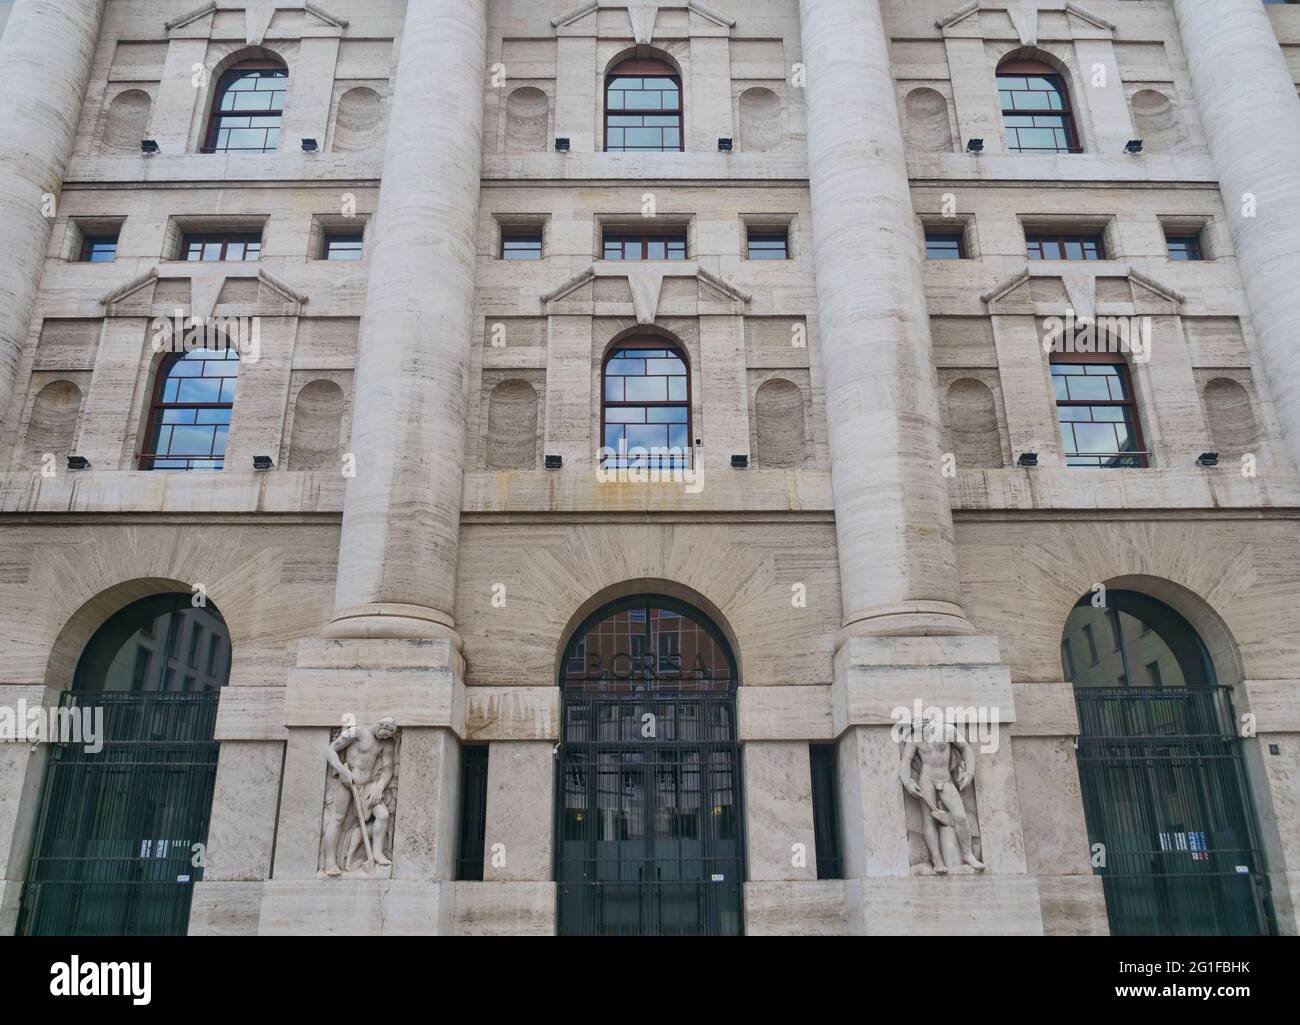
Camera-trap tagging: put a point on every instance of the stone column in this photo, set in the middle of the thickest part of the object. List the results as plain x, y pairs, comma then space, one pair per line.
1248, 104
898, 566
45, 59
401, 516
906, 640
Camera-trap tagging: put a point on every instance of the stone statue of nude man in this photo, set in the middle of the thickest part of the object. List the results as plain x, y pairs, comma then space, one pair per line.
358, 785
933, 742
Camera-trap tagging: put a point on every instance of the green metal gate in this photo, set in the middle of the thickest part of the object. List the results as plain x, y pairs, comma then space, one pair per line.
1165, 794
115, 844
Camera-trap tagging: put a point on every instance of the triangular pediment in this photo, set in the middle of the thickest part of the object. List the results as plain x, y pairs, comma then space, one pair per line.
258, 15
642, 15
203, 289
1023, 15
644, 296
1044, 291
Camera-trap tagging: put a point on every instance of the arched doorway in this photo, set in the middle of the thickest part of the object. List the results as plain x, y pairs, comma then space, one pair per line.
1170, 819
125, 804
649, 808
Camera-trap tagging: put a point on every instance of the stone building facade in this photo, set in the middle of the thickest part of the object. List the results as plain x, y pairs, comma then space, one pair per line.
430, 524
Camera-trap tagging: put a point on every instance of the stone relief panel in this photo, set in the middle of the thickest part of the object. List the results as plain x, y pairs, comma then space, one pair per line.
937, 771
360, 801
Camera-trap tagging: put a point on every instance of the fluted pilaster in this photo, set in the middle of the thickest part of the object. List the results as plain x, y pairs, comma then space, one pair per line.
397, 560
897, 559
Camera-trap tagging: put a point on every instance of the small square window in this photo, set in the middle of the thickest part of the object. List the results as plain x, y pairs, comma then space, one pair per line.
1184, 247
99, 249
521, 247
343, 246
944, 246
769, 245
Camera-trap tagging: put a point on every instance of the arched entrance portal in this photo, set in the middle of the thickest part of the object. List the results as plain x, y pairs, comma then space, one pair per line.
649, 811
125, 805
1160, 763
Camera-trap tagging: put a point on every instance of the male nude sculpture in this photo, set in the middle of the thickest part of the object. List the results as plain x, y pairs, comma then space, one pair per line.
934, 741
358, 785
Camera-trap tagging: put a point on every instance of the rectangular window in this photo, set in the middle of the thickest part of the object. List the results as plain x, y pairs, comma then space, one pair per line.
645, 247
1065, 247
217, 246
826, 825
1184, 247
769, 246
343, 246
473, 811
944, 246
99, 249
521, 247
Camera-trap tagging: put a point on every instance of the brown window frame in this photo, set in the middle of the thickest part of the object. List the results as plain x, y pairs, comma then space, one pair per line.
639, 344
158, 407
226, 239
216, 114
626, 238
1037, 238
1037, 69
1140, 454
88, 244
647, 68
937, 235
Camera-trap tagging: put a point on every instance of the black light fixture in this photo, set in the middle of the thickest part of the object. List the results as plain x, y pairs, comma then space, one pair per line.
148, 147
78, 463
975, 146
1027, 459
561, 145
1208, 459
1134, 146
262, 463
740, 462
725, 145
554, 462
310, 145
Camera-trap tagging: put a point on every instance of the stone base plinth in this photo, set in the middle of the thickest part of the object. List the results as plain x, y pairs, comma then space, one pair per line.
357, 907
505, 909
944, 906
1073, 906
795, 908
226, 908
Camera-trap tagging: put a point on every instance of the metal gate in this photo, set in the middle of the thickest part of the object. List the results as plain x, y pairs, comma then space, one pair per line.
115, 841
1165, 794
650, 827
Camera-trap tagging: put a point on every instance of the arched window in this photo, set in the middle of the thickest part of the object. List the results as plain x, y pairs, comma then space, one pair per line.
129, 778
1036, 109
646, 407
1133, 641
247, 108
643, 108
189, 418
1161, 772
1096, 410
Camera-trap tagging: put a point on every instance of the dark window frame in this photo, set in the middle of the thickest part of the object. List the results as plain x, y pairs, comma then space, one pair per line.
1062, 240
946, 236
520, 237
1037, 69
1139, 458
652, 69
825, 803
642, 241
349, 238
763, 235
227, 239
646, 344
1192, 243
216, 115
88, 244
149, 456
